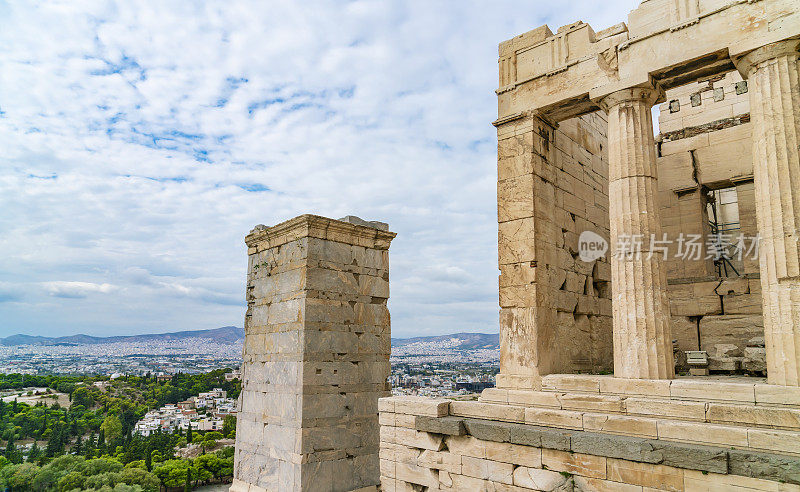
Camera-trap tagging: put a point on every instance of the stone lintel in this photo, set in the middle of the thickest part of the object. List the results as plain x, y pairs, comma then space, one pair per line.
263, 237
556, 73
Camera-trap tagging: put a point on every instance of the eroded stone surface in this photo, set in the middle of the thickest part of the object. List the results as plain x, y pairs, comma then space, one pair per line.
316, 356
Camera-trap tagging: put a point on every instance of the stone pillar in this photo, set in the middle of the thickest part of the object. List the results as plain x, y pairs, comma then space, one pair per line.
529, 345
642, 343
316, 356
774, 86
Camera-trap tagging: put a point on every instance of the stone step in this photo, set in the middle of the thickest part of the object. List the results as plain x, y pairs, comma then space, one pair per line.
719, 412
730, 390
698, 432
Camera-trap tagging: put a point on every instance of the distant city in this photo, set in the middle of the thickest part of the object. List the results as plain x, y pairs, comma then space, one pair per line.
446, 365
190, 356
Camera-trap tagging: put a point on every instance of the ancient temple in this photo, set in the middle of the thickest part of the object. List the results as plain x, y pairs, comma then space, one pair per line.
587, 396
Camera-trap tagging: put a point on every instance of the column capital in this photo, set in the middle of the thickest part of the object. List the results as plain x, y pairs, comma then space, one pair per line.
750, 61
623, 91
647, 95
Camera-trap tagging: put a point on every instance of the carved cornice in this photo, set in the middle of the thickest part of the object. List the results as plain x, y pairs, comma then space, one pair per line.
263, 237
524, 115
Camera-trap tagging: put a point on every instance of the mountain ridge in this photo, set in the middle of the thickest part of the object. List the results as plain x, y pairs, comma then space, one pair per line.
468, 341
231, 334
225, 334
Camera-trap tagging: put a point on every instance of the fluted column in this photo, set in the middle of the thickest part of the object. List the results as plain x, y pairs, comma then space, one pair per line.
774, 86
642, 343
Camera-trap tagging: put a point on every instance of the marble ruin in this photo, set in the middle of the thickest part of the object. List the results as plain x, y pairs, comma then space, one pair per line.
587, 397
576, 155
316, 356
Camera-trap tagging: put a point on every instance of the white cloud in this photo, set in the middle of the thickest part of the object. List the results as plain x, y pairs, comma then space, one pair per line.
77, 290
142, 140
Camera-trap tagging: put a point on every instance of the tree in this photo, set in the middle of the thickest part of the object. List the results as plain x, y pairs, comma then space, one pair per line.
111, 428
100, 465
109, 479
70, 481
187, 487
82, 396
77, 448
148, 458
23, 477
215, 435
172, 473
35, 453
189, 436
229, 425
55, 445
88, 449
11, 451
136, 476
101, 442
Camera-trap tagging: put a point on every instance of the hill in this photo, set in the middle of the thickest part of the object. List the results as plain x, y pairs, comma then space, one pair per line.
457, 341
226, 334
233, 334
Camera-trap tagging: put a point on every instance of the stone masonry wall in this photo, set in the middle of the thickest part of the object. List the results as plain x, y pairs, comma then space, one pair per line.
705, 145
424, 447
555, 310
316, 356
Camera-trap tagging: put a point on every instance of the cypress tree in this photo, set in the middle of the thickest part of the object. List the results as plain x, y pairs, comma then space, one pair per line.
11, 451
187, 486
34, 453
77, 448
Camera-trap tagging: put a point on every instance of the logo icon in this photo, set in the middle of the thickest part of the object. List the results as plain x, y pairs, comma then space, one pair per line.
591, 246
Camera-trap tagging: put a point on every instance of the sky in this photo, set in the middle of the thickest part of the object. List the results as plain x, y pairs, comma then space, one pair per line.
141, 141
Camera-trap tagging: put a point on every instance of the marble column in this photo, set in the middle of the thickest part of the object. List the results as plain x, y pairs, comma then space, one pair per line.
774, 85
642, 343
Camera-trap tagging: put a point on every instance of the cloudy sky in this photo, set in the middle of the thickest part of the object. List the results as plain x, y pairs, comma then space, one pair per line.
140, 141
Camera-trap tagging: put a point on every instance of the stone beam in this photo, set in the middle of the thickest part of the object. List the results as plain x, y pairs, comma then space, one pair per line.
669, 42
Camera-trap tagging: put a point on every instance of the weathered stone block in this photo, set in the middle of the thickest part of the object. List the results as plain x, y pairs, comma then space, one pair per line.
513, 453
493, 471
487, 430
618, 424
451, 426
702, 433
554, 418
764, 465
537, 479
645, 474
540, 437
576, 463
415, 405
